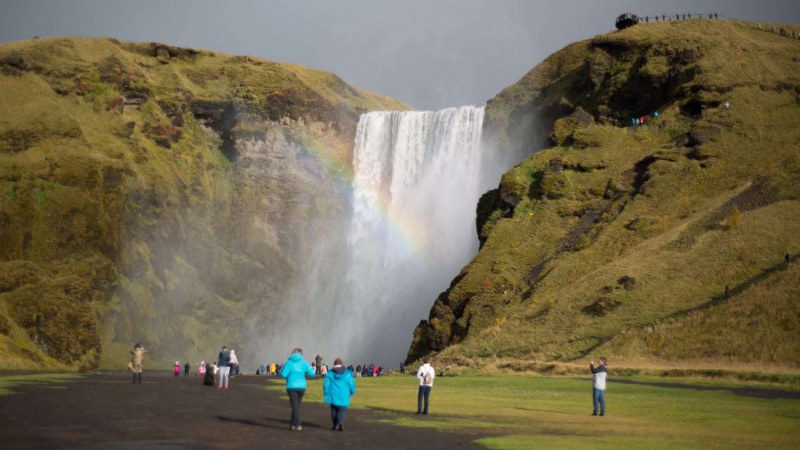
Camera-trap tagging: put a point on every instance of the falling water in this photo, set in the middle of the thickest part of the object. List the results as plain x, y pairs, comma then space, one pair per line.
417, 180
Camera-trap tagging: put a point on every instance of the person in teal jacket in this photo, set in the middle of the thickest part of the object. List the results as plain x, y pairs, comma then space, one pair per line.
337, 388
295, 370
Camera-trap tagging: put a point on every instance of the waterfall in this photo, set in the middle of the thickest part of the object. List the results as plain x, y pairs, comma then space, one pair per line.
418, 178
410, 229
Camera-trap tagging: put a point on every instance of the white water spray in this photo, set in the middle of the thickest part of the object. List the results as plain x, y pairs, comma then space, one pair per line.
418, 178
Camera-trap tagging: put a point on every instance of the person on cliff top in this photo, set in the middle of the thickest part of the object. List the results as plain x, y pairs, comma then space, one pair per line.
337, 389
135, 365
295, 370
599, 375
425, 374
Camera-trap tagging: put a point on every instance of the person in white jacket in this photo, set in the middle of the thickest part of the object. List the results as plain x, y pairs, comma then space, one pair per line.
425, 374
234, 363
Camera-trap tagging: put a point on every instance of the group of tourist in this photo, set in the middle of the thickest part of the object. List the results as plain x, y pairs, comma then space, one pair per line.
339, 383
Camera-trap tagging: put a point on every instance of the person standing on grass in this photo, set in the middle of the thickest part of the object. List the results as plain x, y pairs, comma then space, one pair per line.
135, 365
295, 370
599, 385
223, 365
425, 374
337, 389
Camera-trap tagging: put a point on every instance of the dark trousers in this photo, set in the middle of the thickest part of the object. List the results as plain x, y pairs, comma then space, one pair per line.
137, 378
424, 393
599, 398
338, 414
295, 397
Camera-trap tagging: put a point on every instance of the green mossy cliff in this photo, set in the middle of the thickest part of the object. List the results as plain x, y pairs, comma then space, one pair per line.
158, 194
657, 245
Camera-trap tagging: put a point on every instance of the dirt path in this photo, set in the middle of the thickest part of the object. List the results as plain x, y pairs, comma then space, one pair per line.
107, 411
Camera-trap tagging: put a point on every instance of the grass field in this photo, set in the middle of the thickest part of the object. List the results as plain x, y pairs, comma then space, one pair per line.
537, 412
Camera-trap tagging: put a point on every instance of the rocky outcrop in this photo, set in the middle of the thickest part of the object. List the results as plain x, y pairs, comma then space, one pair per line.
158, 194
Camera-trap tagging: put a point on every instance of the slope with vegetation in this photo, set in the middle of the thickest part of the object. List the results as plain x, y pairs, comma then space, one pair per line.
661, 245
156, 193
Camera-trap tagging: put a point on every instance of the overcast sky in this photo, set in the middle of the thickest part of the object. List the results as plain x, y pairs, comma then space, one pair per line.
430, 54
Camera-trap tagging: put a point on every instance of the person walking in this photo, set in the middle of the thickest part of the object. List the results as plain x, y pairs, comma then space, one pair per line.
186, 368
223, 365
295, 370
425, 374
337, 389
135, 365
599, 375
177, 368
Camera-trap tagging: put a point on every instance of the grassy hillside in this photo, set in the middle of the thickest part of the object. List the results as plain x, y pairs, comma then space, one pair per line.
134, 200
660, 245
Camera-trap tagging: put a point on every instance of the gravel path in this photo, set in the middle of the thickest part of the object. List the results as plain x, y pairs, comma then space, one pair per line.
107, 411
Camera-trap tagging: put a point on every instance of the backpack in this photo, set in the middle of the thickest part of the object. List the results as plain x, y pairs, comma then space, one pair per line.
427, 379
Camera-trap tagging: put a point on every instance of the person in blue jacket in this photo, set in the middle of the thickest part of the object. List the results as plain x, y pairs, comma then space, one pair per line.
295, 370
337, 389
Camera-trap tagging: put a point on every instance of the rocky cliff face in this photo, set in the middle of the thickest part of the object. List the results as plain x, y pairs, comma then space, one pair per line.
158, 194
645, 242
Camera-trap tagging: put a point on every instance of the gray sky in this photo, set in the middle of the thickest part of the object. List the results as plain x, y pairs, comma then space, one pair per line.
430, 54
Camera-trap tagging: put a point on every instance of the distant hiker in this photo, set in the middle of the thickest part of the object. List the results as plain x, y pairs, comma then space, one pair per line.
262, 370
425, 374
786, 259
234, 363
186, 368
295, 370
135, 365
663, 17
655, 114
273, 369
177, 368
716, 16
727, 105
599, 385
402, 367
201, 369
208, 374
318, 363
633, 120
223, 366
337, 389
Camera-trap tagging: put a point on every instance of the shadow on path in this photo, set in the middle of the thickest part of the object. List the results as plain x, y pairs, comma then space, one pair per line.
105, 411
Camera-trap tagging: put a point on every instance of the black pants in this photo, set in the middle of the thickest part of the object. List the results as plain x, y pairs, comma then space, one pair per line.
295, 397
424, 393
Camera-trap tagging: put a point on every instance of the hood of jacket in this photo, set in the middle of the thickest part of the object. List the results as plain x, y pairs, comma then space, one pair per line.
296, 357
338, 371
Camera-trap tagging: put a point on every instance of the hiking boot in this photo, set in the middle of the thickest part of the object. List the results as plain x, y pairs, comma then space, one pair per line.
594, 413
602, 414
340, 427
